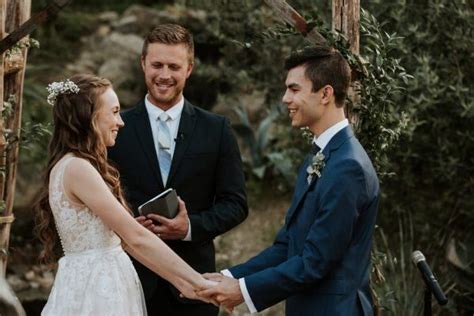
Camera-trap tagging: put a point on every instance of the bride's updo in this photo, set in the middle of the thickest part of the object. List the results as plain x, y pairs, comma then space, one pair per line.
75, 104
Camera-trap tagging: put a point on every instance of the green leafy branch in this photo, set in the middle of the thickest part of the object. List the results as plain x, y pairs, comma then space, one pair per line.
21, 44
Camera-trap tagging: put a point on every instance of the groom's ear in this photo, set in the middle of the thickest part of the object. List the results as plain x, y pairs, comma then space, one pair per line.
327, 94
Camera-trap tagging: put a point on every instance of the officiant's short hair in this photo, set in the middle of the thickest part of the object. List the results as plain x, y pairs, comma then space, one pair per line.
324, 66
170, 34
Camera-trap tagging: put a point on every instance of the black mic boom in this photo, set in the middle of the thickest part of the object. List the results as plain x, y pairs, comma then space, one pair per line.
420, 261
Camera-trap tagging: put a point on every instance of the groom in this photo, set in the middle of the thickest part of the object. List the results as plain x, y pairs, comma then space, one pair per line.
320, 260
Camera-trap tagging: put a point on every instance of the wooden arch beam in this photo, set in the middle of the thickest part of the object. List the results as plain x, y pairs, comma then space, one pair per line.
29, 26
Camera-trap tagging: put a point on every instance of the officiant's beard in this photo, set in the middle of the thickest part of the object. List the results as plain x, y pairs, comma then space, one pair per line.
168, 99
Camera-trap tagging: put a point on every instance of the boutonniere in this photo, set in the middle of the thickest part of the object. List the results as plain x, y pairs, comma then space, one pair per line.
316, 166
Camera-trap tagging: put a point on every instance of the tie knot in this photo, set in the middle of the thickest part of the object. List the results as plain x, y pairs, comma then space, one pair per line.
164, 117
315, 148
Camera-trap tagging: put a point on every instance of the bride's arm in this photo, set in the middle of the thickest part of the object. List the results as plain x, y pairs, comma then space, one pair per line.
83, 182
187, 288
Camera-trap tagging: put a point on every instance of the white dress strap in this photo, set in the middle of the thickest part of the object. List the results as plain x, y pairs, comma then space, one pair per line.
58, 178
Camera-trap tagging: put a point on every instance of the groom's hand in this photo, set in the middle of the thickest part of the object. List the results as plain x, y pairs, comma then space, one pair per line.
213, 276
176, 228
227, 292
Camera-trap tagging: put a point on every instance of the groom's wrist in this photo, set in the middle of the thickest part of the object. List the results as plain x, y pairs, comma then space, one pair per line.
245, 293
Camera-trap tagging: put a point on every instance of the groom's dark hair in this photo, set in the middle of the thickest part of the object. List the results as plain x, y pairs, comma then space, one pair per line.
170, 34
324, 66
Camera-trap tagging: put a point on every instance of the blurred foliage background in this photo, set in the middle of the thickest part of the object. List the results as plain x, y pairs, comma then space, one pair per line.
415, 117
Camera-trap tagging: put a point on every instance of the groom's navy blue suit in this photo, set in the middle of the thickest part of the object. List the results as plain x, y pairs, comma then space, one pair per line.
320, 260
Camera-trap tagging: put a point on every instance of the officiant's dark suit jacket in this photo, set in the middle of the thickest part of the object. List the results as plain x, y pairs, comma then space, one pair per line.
206, 171
320, 260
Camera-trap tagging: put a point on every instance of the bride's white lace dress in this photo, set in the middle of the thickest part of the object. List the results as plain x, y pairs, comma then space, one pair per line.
95, 276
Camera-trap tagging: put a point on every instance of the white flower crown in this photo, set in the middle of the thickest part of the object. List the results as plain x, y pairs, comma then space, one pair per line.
60, 87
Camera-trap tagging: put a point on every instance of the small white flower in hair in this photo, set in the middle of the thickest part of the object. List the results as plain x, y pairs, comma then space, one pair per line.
60, 87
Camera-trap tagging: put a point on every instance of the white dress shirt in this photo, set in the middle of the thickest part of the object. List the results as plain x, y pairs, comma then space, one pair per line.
321, 141
328, 134
173, 124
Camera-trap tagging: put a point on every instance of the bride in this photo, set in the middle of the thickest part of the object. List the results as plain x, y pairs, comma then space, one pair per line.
82, 202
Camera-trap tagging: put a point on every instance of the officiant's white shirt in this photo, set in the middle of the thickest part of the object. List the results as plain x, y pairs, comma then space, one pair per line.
321, 141
174, 113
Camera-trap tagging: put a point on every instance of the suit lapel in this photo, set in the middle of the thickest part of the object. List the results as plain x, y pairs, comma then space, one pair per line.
332, 146
145, 138
340, 138
301, 187
183, 139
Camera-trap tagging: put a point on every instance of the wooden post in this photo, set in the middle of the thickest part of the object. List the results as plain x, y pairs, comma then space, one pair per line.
19, 12
346, 18
347, 21
3, 8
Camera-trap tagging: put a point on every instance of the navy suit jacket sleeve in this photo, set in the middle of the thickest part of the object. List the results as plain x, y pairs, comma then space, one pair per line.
342, 195
230, 206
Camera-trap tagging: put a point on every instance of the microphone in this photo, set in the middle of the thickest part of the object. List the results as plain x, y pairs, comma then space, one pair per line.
179, 137
431, 283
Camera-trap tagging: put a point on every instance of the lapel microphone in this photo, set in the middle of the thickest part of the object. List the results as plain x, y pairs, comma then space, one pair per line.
179, 137
431, 283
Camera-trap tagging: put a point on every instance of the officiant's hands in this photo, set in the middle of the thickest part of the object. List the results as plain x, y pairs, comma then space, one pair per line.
227, 292
165, 228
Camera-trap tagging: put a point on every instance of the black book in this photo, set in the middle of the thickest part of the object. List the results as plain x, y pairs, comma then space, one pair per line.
164, 204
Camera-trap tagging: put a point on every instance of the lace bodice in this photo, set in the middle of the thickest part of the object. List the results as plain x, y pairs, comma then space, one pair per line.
78, 227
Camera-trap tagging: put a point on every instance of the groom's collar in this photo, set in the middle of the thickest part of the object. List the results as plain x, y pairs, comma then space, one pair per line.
328, 134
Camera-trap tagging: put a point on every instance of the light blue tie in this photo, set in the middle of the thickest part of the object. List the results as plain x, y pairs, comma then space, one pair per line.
164, 146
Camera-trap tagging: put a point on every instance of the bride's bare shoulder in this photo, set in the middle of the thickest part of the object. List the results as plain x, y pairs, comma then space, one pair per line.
80, 169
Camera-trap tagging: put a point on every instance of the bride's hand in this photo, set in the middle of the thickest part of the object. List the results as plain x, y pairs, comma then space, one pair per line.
188, 291
206, 284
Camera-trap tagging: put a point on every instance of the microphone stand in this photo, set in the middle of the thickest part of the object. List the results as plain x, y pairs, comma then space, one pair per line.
427, 308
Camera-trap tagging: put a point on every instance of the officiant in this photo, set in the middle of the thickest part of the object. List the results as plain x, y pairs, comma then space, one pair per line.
167, 142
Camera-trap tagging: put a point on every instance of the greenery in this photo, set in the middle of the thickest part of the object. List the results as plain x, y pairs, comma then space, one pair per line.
18, 46
433, 159
256, 141
461, 257
380, 117
413, 114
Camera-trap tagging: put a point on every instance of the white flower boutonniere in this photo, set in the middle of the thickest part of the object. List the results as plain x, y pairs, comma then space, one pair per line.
316, 166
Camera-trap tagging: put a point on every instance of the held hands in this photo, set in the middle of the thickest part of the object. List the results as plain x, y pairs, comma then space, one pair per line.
165, 228
189, 291
226, 293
